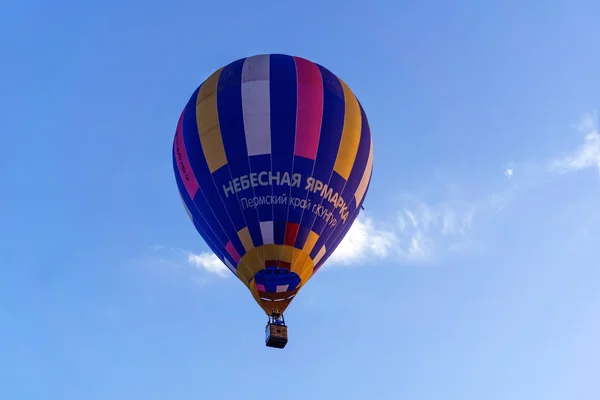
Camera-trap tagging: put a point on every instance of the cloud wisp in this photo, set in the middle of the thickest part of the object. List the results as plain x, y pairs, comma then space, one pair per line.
587, 155
527, 175
419, 233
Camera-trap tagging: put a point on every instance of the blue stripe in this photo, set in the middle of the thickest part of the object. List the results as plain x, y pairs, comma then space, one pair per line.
206, 232
334, 109
210, 197
283, 93
190, 141
231, 122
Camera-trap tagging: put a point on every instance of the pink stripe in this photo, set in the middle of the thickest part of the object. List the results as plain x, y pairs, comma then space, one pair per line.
260, 287
232, 251
310, 108
183, 163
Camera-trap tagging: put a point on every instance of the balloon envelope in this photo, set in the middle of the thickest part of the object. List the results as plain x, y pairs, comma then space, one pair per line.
273, 158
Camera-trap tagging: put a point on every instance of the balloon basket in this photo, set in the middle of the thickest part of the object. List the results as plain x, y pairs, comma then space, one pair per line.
276, 333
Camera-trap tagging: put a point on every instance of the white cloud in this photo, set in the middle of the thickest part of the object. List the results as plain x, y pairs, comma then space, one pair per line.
587, 154
209, 262
363, 240
419, 233
508, 172
179, 259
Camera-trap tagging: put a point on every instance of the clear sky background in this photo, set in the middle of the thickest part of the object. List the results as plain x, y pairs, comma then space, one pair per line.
483, 213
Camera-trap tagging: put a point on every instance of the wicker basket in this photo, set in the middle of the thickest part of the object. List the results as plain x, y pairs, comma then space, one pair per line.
276, 336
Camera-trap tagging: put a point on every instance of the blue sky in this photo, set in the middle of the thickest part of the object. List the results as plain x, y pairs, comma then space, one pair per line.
483, 214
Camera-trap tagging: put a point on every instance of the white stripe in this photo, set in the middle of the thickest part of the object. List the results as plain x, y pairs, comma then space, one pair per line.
256, 104
362, 186
186, 208
228, 264
282, 288
266, 229
320, 255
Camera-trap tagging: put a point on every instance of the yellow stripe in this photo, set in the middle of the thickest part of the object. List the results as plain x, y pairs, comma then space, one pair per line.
303, 267
254, 292
299, 261
286, 253
311, 240
350, 135
253, 261
245, 272
307, 273
270, 251
362, 187
307, 266
246, 239
207, 118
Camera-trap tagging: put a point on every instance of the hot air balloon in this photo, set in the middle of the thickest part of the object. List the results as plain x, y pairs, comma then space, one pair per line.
273, 158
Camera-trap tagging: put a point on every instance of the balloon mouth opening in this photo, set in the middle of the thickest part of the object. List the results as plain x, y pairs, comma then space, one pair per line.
276, 285
275, 279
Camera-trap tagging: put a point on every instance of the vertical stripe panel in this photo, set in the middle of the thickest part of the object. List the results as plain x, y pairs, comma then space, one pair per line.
283, 126
212, 235
266, 229
350, 136
231, 121
246, 239
209, 198
361, 161
233, 252
329, 236
260, 165
345, 157
310, 241
310, 108
187, 210
331, 134
207, 119
256, 104
228, 265
291, 231
362, 187
183, 162
309, 115
308, 132
320, 255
